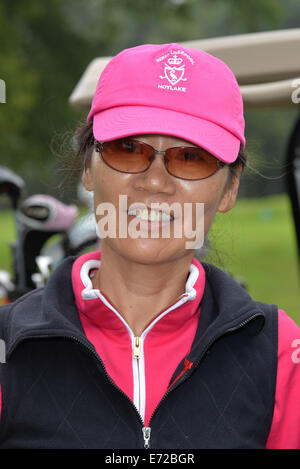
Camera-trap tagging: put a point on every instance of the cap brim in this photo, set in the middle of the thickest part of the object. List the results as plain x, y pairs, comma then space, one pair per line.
125, 121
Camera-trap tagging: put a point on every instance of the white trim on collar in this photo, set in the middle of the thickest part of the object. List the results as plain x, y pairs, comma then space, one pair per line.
89, 293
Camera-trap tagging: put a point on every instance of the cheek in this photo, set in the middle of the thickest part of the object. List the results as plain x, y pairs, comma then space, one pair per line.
208, 192
106, 182
212, 202
108, 186
101, 188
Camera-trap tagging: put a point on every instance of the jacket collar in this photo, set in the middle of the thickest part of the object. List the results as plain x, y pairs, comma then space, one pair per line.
51, 311
98, 309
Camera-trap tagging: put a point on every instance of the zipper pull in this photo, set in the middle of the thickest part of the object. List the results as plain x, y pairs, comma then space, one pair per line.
146, 435
137, 348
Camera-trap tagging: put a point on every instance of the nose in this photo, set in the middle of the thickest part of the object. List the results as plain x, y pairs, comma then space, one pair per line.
156, 178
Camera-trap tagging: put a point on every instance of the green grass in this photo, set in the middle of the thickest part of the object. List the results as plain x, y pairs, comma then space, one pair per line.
256, 241
7, 234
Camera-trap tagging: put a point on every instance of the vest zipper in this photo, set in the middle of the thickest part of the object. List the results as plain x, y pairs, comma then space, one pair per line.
137, 349
87, 348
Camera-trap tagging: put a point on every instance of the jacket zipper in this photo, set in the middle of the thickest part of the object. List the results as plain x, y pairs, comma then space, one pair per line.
137, 377
146, 435
138, 366
146, 431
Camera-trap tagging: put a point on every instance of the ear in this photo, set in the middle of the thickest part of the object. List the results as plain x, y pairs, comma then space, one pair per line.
87, 178
230, 193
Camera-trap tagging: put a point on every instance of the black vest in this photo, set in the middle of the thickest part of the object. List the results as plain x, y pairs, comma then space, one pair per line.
57, 394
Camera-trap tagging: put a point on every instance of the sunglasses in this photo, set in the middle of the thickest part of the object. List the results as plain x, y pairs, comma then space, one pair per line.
128, 155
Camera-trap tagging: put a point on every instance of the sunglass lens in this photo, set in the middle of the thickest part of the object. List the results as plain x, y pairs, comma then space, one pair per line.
191, 163
127, 155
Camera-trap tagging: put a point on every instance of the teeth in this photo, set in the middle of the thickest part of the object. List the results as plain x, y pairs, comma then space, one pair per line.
165, 216
149, 215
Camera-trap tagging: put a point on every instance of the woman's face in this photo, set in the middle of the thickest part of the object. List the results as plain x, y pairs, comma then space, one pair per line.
156, 185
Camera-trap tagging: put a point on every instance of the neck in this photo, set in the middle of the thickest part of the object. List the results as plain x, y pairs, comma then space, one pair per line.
140, 291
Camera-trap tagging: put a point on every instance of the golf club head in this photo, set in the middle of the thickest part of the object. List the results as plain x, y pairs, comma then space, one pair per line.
6, 284
38, 219
11, 185
44, 264
81, 235
37, 280
46, 213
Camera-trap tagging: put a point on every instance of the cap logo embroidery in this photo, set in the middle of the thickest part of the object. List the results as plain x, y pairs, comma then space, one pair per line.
173, 73
174, 70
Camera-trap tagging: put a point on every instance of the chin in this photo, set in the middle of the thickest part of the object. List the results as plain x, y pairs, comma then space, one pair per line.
150, 251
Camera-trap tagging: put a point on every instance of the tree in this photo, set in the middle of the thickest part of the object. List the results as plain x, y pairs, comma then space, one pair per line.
45, 47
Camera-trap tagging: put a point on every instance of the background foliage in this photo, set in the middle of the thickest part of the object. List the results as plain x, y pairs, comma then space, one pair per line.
46, 46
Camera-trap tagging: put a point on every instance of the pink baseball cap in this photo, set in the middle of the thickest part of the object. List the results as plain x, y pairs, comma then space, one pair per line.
173, 90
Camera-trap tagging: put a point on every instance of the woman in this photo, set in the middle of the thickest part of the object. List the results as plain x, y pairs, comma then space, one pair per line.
141, 345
